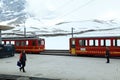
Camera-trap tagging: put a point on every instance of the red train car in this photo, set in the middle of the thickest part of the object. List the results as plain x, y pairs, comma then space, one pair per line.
95, 46
29, 44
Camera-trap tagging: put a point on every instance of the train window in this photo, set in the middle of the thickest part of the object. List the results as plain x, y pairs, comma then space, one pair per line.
26, 43
42, 42
17, 43
104, 42
23, 43
118, 42
73, 42
96, 42
39, 42
114, 44
3, 42
82, 42
13, 42
7, 42
101, 42
108, 43
86, 43
91, 43
33, 43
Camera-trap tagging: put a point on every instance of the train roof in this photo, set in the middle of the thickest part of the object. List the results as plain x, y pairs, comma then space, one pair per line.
98, 37
20, 38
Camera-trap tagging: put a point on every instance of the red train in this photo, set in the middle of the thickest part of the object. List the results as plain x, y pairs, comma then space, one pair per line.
29, 44
95, 46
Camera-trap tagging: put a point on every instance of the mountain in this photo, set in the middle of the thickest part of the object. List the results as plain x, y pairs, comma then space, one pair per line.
12, 9
65, 28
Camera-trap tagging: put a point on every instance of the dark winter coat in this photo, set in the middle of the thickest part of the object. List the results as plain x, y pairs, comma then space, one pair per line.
107, 53
23, 57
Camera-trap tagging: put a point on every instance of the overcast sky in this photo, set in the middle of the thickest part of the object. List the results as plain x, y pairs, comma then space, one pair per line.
62, 10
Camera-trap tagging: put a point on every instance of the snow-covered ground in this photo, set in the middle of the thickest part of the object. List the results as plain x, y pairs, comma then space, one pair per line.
63, 67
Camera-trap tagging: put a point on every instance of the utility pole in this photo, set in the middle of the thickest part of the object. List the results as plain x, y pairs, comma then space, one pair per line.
72, 31
24, 30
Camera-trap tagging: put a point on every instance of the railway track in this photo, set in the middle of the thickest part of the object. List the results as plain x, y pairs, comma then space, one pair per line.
56, 52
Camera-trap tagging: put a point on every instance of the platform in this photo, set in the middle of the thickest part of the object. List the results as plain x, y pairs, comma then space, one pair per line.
63, 67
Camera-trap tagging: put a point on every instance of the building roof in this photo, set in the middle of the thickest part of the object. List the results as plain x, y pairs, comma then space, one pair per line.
5, 27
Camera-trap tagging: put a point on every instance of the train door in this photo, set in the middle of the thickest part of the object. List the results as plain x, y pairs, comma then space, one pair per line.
72, 46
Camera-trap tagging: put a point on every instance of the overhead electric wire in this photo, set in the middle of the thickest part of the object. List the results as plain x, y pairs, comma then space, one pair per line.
64, 4
76, 9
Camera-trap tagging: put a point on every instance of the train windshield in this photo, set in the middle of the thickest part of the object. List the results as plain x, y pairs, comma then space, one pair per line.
41, 42
73, 42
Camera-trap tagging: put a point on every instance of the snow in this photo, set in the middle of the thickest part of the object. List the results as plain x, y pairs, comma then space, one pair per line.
63, 67
61, 42
36, 27
46, 19
55, 17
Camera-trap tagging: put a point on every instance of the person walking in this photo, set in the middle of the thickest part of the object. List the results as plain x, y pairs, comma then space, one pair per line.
107, 55
22, 59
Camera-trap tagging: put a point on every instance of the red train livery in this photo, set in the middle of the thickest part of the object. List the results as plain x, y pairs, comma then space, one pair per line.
95, 46
29, 44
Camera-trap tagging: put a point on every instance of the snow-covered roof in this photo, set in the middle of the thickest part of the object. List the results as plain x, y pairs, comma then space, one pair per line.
5, 27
